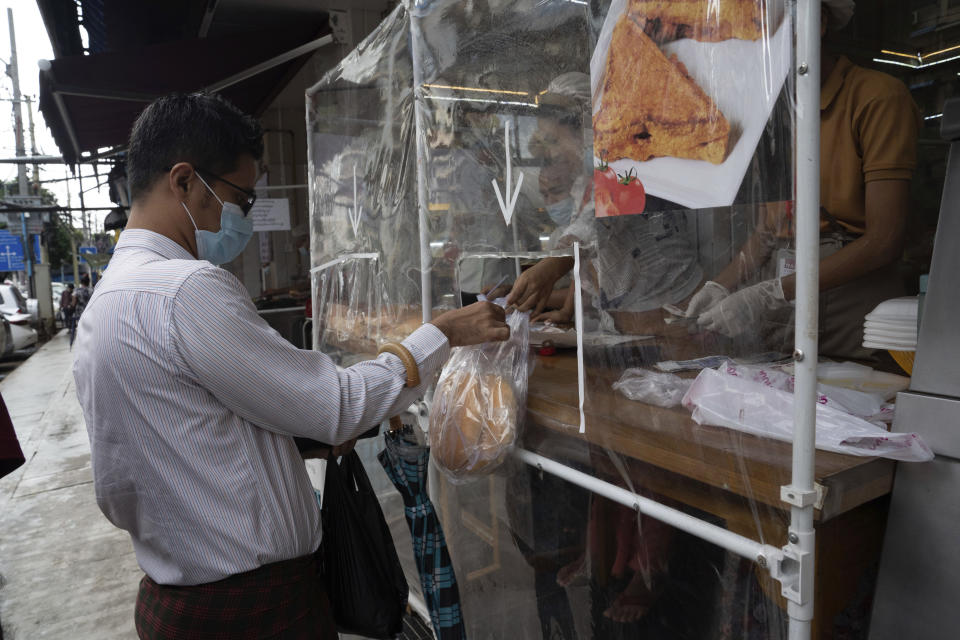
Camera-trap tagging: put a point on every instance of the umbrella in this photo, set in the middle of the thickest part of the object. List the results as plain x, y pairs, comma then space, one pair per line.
405, 462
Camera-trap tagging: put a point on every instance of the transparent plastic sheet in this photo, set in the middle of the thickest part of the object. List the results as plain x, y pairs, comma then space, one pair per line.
657, 226
363, 221
363, 224
479, 404
515, 84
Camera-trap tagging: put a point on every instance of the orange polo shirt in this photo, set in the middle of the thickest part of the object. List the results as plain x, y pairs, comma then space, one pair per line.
868, 131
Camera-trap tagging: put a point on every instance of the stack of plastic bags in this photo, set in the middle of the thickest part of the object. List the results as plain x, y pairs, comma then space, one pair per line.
892, 325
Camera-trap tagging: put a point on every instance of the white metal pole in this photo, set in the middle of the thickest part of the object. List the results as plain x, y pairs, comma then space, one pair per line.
800, 494
740, 545
420, 128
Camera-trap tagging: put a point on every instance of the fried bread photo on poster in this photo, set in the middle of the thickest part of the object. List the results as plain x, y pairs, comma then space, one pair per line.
682, 91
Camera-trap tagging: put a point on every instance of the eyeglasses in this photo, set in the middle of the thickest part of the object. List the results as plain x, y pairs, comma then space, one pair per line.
250, 196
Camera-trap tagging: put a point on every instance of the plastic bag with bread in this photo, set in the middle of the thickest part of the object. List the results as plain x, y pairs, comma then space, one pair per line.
479, 404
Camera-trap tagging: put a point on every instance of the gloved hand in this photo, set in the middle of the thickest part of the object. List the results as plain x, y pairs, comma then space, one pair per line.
742, 311
710, 294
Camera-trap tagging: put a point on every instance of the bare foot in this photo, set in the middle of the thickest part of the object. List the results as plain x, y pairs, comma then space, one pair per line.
636, 600
575, 572
625, 610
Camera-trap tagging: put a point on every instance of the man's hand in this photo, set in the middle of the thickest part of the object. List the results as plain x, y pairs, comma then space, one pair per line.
342, 449
532, 289
493, 294
325, 452
478, 323
564, 314
558, 316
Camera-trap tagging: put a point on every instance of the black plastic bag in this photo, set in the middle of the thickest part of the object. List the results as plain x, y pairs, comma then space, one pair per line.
365, 582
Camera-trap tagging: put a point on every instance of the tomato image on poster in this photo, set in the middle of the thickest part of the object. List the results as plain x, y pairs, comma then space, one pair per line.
617, 194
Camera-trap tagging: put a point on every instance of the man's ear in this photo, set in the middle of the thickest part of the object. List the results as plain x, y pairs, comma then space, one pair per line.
178, 179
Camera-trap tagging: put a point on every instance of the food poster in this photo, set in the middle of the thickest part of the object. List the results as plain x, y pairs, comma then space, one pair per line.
688, 111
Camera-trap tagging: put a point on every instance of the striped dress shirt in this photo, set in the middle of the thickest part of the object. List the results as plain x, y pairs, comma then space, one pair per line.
191, 403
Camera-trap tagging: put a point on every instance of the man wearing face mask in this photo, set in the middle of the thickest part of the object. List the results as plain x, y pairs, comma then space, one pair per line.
639, 262
192, 401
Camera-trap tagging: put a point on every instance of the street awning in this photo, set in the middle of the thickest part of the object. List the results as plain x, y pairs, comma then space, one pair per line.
90, 102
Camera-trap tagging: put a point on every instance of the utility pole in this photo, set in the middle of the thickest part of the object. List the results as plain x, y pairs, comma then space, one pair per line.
13, 72
83, 207
33, 146
24, 189
73, 241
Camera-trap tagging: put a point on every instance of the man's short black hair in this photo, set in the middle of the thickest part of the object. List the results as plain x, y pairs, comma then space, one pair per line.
70, 286
85, 280
205, 130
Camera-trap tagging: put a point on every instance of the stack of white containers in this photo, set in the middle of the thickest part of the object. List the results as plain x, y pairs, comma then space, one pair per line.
892, 325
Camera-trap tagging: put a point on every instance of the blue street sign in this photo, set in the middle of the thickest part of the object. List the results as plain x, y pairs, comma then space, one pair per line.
11, 252
36, 250
83, 250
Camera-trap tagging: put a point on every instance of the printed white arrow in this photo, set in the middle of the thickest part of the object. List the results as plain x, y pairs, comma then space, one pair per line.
506, 207
357, 208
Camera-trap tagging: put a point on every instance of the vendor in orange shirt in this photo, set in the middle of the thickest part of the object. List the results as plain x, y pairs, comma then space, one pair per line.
868, 132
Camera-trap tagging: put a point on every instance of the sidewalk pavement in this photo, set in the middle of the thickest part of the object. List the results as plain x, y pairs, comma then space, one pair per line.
65, 571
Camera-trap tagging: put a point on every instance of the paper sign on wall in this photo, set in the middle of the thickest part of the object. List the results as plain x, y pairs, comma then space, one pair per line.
271, 214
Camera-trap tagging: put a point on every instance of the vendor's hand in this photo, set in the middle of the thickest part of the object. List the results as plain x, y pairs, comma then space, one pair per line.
709, 295
559, 316
532, 289
342, 449
743, 310
475, 324
493, 294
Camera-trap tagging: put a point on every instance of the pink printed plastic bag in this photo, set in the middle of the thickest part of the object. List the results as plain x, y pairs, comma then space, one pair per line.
722, 399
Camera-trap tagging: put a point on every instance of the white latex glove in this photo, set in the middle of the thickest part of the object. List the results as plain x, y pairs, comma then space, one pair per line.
743, 310
710, 294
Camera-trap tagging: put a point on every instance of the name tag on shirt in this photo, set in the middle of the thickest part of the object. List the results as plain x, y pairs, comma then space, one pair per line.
786, 262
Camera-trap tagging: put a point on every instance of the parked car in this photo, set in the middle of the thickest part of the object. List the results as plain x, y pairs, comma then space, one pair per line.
22, 333
6, 337
33, 308
11, 300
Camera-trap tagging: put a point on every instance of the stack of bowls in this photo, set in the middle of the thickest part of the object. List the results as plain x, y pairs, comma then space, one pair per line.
892, 325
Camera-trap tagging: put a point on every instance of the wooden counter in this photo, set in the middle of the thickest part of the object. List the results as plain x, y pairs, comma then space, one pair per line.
715, 470
669, 439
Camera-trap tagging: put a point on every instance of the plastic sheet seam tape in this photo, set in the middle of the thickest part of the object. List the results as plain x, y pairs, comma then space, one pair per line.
578, 317
344, 258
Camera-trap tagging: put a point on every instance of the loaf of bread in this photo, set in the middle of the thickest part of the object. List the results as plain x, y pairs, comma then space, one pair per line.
398, 330
341, 322
473, 423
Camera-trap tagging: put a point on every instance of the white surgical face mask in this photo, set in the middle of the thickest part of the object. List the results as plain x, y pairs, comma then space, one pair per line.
561, 212
235, 232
